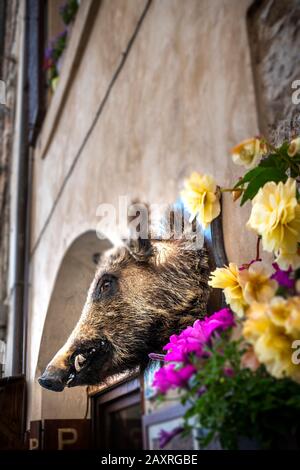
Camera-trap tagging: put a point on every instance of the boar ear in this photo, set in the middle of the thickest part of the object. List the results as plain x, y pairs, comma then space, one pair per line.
140, 248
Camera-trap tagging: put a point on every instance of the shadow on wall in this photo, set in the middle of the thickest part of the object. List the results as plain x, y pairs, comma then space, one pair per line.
68, 297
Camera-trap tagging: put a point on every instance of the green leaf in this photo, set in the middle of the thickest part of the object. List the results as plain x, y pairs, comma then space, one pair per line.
294, 171
274, 161
283, 149
268, 174
249, 176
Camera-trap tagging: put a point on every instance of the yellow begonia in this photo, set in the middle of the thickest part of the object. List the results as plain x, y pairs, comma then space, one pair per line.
256, 284
294, 147
249, 152
201, 198
271, 329
285, 260
275, 216
227, 278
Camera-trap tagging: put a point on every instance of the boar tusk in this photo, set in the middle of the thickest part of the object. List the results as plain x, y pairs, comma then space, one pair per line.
79, 361
71, 378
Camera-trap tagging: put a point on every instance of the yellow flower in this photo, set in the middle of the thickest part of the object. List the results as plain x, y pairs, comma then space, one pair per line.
275, 216
201, 198
249, 152
271, 329
256, 284
285, 260
292, 323
279, 311
228, 279
294, 147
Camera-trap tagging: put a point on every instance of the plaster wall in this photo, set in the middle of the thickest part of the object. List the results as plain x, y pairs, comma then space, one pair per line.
179, 101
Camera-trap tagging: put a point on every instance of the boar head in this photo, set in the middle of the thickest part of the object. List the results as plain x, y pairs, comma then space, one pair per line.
142, 293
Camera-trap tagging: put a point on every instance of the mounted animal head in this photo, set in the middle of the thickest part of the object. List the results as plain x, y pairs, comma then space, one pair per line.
142, 293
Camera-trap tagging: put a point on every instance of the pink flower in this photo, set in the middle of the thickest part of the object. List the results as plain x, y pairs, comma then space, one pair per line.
193, 338
180, 347
228, 371
168, 377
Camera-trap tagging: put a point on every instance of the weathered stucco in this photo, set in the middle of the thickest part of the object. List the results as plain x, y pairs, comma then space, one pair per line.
182, 98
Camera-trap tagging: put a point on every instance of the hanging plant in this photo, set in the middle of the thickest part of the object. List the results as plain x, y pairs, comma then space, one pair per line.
57, 45
247, 388
52, 58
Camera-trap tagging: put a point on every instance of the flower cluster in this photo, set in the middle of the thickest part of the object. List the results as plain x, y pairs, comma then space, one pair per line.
53, 54
272, 328
270, 307
275, 216
182, 348
201, 361
242, 286
270, 184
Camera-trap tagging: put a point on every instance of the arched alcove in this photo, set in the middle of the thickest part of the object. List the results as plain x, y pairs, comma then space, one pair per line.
69, 293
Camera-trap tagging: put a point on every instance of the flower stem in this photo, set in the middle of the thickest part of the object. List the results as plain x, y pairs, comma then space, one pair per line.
258, 249
156, 357
230, 190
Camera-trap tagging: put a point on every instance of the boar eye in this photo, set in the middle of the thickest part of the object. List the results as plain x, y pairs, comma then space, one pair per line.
104, 287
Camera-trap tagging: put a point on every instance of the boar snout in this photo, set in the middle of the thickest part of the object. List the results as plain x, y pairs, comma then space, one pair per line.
71, 366
54, 379
57, 373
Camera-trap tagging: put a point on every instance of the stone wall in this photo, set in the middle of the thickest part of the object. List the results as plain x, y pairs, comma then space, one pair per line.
162, 88
274, 32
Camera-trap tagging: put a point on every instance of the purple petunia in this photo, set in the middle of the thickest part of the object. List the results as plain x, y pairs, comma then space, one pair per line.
201, 391
193, 338
165, 437
283, 277
228, 371
168, 377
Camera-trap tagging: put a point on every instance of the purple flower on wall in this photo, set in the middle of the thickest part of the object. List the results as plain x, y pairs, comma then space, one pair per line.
54, 52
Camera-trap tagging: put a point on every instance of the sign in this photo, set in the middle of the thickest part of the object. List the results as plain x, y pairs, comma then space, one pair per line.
35, 435
60, 434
